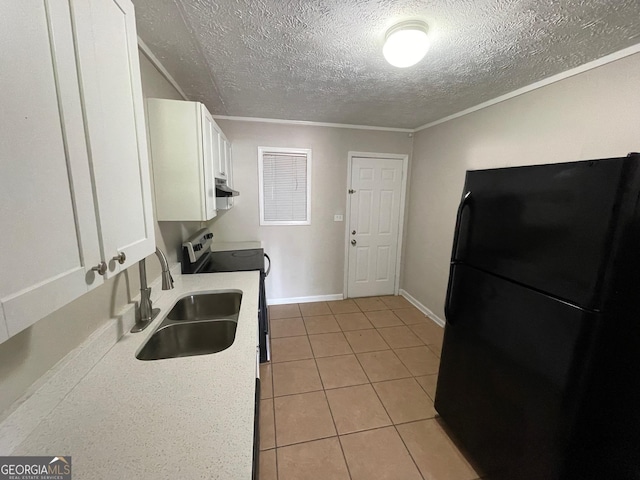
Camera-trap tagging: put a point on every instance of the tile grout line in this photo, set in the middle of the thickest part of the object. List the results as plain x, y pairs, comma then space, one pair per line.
415, 377
370, 382
422, 342
409, 452
275, 436
393, 423
424, 389
344, 457
376, 392
350, 433
387, 412
325, 390
434, 352
273, 399
325, 396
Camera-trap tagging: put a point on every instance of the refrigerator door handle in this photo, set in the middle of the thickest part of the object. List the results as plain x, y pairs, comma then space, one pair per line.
447, 301
456, 236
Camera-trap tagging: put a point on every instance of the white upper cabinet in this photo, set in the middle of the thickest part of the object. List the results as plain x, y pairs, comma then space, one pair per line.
226, 203
221, 170
49, 238
58, 202
114, 114
185, 153
210, 158
229, 164
224, 160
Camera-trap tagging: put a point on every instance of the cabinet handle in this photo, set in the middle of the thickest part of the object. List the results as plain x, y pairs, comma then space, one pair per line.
120, 258
101, 268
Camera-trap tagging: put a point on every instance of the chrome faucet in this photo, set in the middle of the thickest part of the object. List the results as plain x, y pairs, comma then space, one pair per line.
146, 313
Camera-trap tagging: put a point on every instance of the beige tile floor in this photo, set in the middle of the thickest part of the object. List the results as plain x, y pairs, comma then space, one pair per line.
349, 395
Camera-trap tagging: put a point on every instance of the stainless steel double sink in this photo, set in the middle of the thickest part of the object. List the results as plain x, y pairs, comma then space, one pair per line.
198, 324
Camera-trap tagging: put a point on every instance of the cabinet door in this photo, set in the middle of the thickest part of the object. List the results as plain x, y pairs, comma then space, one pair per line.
229, 170
210, 157
227, 161
49, 238
114, 115
222, 155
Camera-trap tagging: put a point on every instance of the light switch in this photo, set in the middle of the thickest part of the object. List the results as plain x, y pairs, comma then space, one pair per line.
337, 218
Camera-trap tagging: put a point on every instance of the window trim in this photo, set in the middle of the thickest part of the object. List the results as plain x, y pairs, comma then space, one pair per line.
285, 151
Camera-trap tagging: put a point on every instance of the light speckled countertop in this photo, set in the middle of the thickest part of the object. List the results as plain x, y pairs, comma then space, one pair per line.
180, 418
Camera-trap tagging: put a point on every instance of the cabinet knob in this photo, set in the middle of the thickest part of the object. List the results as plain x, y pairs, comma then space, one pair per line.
101, 268
120, 258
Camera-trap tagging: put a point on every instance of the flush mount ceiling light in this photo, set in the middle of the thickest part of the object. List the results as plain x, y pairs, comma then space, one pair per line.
406, 43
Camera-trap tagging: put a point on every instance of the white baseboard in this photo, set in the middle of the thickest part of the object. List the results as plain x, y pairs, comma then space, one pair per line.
422, 308
316, 298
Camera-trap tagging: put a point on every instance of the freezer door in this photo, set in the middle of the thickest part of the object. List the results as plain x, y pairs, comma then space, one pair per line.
554, 228
512, 370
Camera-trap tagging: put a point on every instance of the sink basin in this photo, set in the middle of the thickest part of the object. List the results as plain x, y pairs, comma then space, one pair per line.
197, 324
207, 306
189, 339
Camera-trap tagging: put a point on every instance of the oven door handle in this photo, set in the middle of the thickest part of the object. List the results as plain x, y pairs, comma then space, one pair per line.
266, 274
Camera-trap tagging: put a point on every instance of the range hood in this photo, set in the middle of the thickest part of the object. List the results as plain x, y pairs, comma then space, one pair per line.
223, 190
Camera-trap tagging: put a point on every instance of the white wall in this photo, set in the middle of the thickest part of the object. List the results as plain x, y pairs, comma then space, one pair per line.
592, 115
27, 356
307, 260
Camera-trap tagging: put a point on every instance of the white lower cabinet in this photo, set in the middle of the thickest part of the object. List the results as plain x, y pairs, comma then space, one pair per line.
75, 190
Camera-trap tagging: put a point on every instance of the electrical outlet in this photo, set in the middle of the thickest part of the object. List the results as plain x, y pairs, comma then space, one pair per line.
337, 218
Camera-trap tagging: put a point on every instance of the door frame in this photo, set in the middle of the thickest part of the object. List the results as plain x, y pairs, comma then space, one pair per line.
403, 195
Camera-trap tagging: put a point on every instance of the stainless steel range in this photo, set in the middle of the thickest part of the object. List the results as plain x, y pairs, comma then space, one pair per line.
198, 257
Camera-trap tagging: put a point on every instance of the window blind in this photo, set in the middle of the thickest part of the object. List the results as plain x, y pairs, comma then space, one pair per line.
285, 196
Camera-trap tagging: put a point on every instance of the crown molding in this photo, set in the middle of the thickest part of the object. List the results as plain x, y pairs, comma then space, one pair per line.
612, 57
156, 63
311, 124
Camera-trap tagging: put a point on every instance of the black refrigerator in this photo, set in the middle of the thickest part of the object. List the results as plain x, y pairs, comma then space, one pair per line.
540, 370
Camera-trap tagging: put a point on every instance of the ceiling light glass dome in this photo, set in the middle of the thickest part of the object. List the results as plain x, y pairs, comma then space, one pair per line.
406, 43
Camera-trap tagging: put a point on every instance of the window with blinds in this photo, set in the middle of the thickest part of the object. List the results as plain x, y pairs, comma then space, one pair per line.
285, 186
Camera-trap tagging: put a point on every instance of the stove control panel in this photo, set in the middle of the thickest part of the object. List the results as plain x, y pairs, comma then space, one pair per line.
197, 245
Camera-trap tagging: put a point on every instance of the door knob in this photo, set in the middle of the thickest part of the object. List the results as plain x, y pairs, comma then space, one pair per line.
353, 242
120, 258
101, 268
353, 232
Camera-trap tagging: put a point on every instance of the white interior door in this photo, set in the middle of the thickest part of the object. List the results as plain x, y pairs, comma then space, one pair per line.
374, 225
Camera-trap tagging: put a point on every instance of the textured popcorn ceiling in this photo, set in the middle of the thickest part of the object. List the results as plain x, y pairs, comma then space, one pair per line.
321, 60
